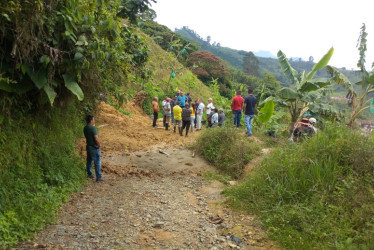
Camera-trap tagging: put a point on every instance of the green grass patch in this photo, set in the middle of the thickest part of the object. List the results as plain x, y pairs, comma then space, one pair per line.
217, 177
315, 195
227, 149
39, 168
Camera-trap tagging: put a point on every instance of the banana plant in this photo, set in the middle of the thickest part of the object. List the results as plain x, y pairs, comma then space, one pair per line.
358, 100
305, 89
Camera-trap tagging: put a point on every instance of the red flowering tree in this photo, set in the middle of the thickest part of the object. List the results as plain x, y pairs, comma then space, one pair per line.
207, 66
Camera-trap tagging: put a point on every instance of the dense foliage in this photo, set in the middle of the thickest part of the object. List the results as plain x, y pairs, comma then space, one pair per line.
50, 49
315, 195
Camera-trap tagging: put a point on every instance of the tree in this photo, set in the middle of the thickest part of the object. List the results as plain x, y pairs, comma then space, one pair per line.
305, 90
131, 8
206, 66
251, 64
359, 101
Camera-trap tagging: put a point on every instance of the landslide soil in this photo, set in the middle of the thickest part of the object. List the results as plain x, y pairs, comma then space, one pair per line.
153, 196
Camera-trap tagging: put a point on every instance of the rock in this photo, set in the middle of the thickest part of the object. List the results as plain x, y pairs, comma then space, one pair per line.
159, 224
232, 183
188, 164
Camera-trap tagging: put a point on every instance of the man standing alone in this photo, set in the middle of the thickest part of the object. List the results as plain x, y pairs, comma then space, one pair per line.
237, 106
155, 110
250, 103
93, 148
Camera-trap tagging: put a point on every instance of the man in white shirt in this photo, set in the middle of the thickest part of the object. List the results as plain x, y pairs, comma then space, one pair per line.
209, 111
199, 114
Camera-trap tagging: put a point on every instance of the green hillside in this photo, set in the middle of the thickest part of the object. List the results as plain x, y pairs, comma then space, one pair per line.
269, 65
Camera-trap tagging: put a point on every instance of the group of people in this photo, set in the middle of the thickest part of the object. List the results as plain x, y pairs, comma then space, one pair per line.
186, 114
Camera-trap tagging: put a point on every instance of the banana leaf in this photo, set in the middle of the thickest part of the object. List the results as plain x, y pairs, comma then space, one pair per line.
321, 64
266, 112
288, 94
287, 69
314, 84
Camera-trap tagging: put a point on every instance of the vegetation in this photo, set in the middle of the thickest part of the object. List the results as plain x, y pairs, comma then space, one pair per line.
315, 195
358, 100
226, 149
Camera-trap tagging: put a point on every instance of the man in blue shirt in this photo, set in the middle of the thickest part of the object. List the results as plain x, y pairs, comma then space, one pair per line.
182, 99
249, 107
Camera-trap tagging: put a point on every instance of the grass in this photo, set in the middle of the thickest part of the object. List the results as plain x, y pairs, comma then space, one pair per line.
226, 149
315, 195
39, 168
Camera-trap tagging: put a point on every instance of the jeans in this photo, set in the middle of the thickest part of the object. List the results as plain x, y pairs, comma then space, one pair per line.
248, 123
172, 117
155, 117
237, 116
199, 117
192, 122
93, 155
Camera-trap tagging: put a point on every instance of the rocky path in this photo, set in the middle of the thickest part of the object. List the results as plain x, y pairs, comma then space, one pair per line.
154, 198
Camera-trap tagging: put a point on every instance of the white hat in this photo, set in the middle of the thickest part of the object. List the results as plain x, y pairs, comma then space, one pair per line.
312, 120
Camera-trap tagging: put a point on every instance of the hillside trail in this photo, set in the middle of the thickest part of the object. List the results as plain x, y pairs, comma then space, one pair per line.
153, 196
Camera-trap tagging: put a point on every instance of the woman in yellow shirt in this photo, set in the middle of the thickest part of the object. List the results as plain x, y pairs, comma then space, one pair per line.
192, 116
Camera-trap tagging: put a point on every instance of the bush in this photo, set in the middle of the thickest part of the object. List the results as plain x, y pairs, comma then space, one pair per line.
226, 149
319, 194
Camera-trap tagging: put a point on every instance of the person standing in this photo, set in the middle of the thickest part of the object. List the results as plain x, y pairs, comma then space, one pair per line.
189, 99
250, 104
155, 110
172, 104
236, 107
221, 117
199, 115
167, 113
182, 99
177, 117
193, 116
93, 148
214, 119
186, 119
163, 104
209, 111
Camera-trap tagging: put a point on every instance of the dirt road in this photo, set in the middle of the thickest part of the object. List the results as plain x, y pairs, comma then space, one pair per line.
153, 197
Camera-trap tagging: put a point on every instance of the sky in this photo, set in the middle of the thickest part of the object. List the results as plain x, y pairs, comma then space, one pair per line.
299, 28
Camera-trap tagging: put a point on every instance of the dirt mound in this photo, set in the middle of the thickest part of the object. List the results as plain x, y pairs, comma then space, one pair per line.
121, 134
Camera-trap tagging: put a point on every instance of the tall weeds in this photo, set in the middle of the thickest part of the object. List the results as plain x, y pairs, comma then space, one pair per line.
318, 194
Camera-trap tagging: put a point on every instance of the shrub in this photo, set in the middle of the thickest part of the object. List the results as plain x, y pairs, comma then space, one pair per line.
226, 149
318, 194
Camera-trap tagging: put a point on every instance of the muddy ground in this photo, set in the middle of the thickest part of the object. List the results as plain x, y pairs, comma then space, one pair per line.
154, 196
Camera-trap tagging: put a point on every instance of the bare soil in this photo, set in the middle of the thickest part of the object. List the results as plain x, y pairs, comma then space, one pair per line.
153, 196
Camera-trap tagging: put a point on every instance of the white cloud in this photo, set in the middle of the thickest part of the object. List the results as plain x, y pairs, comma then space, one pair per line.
299, 28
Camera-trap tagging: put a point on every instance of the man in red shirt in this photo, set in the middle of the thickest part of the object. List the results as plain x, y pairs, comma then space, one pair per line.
236, 107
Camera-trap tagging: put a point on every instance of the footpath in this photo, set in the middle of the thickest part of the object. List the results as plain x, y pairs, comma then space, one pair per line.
154, 196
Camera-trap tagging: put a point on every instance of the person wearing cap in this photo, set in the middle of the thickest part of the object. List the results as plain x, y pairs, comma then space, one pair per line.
303, 130
221, 117
167, 113
177, 117
172, 104
312, 122
199, 114
236, 107
155, 110
209, 109
214, 115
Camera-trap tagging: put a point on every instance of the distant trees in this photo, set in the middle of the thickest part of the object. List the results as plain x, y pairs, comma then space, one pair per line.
206, 66
251, 64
